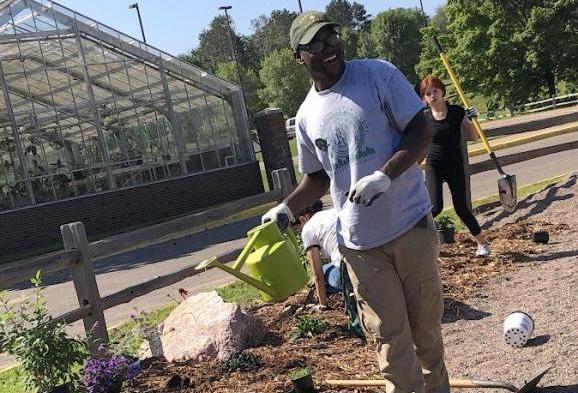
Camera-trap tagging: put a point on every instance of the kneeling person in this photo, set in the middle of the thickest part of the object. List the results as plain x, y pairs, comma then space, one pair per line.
318, 231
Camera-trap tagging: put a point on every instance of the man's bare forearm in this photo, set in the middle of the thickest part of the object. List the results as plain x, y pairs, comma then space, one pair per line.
413, 148
312, 187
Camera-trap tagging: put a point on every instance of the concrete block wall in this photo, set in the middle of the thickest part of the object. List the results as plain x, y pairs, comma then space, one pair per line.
112, 211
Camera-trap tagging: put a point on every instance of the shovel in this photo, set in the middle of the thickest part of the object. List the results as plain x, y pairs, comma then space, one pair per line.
506, 183
454, 383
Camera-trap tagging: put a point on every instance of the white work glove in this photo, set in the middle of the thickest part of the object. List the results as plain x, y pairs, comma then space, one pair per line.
368, 188
281, 214
471, 112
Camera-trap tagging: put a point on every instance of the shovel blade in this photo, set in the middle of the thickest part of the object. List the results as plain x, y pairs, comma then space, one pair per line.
507, 189
530, 386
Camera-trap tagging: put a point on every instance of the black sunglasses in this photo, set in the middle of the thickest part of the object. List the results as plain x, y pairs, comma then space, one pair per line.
318, 46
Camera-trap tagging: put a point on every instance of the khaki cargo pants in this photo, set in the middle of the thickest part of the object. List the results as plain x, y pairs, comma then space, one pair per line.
399, 299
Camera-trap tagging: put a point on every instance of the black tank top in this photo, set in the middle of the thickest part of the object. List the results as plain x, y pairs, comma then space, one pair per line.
446, 136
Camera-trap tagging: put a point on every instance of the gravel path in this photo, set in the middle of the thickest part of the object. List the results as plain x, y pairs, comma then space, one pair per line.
546, 288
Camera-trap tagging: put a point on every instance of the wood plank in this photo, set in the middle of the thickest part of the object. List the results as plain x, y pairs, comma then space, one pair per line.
130, 293
74, 315
152, 234
20, 271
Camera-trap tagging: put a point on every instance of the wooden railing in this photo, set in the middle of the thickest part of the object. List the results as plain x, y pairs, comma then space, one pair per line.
78, 256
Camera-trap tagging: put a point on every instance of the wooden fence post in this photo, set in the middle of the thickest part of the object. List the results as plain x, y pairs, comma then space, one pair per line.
274, 143
282, 181
74, 237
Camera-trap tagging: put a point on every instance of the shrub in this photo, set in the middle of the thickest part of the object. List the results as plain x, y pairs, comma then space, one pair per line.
241, 361
47, 355
444, 222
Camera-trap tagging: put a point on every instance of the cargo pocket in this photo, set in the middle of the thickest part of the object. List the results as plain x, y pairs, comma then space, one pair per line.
430, 289
370, 322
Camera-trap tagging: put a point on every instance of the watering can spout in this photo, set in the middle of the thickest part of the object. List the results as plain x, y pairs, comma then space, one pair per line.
241, 276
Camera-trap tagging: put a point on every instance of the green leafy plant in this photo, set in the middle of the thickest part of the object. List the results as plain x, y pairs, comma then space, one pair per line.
241, 361
47, 355
444, 222
308, 326
299, 373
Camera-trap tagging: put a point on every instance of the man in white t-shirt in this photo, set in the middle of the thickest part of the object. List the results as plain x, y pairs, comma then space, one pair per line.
360, 133
318, 231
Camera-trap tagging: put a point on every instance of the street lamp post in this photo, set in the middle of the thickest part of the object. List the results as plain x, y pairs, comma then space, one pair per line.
135, 5
226, 8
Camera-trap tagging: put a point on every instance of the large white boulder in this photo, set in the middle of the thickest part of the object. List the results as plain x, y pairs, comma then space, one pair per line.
204, 327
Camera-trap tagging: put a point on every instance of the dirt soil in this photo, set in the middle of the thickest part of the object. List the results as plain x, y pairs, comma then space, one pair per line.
540, 279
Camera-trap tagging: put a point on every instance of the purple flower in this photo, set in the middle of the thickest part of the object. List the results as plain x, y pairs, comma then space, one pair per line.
102, 374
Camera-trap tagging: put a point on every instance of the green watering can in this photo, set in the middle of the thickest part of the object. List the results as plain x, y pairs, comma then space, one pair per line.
272, 262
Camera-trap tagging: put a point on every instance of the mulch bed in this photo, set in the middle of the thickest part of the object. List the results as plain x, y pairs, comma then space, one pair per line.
336, 353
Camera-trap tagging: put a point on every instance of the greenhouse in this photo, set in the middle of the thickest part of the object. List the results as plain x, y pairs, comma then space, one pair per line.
86, 109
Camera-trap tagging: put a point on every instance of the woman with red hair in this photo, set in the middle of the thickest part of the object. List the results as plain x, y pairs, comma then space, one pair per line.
444, 160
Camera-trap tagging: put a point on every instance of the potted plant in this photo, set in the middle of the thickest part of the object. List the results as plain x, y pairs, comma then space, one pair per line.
106, 372
302, 380
50, 359
446, 229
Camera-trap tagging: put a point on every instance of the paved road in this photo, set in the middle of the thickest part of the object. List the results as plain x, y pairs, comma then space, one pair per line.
120, 271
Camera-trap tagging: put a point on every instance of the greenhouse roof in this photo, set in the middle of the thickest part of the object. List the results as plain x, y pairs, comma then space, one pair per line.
60, 69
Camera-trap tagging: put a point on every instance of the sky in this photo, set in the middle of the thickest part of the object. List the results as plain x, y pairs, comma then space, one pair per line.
174, 25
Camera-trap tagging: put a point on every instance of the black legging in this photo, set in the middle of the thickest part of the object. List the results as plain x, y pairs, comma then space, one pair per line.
435, 175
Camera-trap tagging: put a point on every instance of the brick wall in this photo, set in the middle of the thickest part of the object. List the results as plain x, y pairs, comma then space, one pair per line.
110, 212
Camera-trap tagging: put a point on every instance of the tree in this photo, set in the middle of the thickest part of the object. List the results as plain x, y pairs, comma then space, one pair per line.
429, 60
215, 45
271, 33
192, 58
285, 82
353, 16
512, 52
251, 85
395, 36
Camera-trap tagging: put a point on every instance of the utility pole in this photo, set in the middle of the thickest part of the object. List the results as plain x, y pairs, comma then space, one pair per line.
226, 8
135, 5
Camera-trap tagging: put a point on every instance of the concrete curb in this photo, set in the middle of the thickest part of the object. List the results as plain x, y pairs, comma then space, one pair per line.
523, 140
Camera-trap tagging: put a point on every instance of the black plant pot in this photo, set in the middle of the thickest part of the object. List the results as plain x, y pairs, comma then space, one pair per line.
303, 384
446, 235
541, 237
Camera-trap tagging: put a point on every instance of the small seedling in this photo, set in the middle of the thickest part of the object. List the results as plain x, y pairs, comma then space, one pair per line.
308, 326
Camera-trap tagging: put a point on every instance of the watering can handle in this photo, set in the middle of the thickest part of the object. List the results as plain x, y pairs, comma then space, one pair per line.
240, 261
292, 237
284, 226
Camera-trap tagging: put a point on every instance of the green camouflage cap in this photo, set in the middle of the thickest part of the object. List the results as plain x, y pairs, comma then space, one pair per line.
305, 26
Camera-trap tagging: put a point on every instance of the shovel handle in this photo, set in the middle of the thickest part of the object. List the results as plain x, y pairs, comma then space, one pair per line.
458, 87
474, 383
454, 383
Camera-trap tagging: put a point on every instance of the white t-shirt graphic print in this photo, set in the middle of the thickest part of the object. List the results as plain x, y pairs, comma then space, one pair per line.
350, 131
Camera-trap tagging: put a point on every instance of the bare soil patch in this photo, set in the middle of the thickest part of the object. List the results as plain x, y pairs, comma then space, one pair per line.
520, 275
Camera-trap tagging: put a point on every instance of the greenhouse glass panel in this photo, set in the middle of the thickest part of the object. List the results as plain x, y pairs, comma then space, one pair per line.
85, 108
